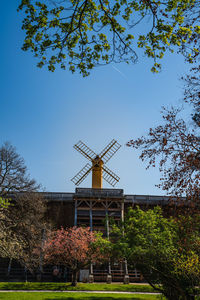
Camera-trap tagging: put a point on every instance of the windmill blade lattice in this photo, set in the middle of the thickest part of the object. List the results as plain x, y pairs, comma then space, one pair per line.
110, 176
99, 171
85, 150
109, 151
82, 174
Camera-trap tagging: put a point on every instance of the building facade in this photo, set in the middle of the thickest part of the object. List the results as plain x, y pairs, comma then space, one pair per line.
93, 208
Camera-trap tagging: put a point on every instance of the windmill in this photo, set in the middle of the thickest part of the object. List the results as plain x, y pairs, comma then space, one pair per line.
97, 165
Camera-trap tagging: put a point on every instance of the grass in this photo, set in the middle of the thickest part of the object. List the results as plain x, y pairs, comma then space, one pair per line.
54, 286
71, 296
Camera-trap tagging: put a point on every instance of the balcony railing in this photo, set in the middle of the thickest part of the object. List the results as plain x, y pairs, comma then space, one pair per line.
99, 192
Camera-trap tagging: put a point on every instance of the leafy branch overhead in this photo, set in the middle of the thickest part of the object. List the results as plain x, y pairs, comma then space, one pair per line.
86, 33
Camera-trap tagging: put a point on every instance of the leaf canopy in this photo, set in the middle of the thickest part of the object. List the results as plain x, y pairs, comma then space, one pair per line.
85, 33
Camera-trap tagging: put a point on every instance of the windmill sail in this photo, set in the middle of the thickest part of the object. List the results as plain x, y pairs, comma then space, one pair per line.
85, 150
99, 171
110, 176
82, 174
109, 151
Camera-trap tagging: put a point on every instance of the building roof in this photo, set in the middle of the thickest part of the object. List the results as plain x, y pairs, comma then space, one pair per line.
108, 193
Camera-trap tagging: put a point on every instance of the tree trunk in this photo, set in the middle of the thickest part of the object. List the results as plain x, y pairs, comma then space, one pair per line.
9, 267
74, 277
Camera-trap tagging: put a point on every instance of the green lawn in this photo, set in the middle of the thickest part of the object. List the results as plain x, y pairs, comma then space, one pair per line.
80, 287
71, 296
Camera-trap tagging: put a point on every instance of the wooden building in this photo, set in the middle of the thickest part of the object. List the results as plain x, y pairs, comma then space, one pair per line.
88, 207
94, 207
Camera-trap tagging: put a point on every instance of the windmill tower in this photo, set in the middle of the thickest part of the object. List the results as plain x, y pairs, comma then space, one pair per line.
92, 206
97, 165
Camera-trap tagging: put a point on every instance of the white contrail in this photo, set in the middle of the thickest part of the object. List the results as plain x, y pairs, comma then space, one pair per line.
119, 71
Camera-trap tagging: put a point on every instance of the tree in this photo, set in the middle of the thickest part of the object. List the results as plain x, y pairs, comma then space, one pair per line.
75, 248
166, 252
22, 225
3, 202
22, 210
174, 147
87, 33
192, 92
13, 172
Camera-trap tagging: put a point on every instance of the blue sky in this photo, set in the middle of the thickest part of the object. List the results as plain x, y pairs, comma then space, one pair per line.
44, 114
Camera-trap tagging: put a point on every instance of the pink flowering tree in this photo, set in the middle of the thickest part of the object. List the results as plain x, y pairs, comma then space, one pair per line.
76, 248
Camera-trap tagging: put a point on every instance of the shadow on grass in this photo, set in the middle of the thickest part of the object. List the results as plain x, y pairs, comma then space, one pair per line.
35, 286
92, 298
52, 286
